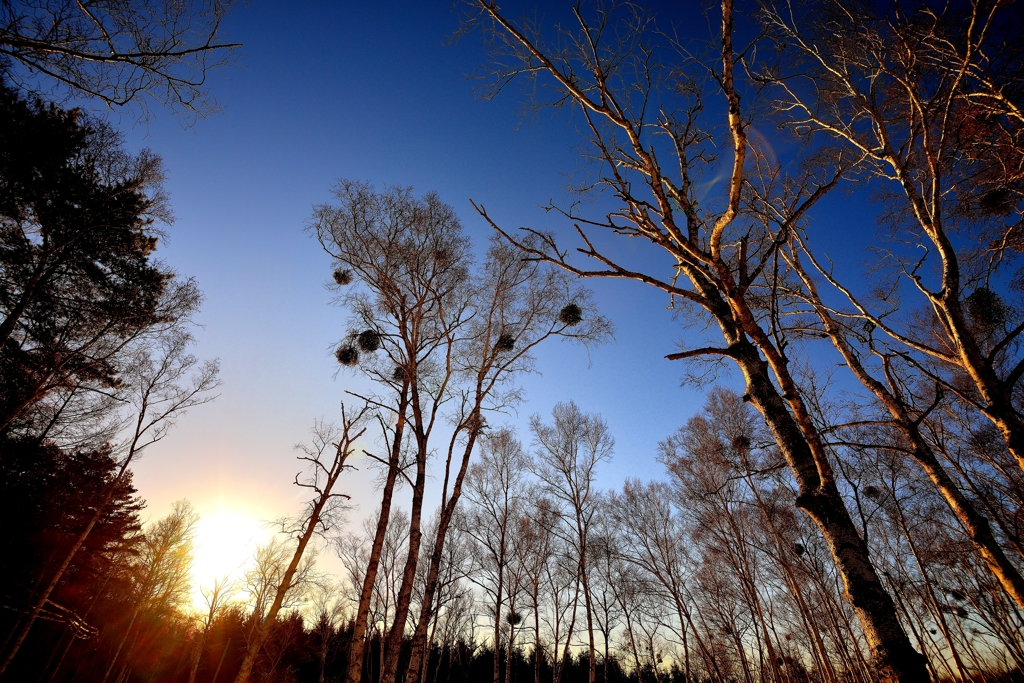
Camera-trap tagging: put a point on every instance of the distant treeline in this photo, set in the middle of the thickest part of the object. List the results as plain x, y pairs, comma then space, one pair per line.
707, 576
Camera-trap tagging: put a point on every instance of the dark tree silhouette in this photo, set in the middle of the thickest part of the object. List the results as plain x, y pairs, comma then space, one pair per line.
53, 494
120, 53
77, 229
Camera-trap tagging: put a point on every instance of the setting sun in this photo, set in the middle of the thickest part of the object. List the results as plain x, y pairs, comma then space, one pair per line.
224, 546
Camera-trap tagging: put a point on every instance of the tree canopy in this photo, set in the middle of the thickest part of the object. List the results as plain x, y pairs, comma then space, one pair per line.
120, 53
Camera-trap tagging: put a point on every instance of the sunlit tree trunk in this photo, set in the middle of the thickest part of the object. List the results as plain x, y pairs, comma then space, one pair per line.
706, 256
937, 68
977, 526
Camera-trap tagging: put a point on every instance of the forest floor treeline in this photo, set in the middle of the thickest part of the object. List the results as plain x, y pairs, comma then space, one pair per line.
709, 574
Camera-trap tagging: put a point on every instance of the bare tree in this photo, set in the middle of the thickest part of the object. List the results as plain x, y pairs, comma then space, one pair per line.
442, 342
604, 556
517, 305
705, 458
327, 460
120, 53
561, 579
328, 611
353, 548
714, 574
567, 454
494, 494
651, 140
924, 98
537, 553
412, 262
163, 579
442, 604
216, 597
271, 562
913, 361
654, 540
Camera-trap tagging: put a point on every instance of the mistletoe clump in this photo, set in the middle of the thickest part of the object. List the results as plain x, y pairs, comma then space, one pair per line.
347, 354
369, 341
505, 342
342, 276
571, 314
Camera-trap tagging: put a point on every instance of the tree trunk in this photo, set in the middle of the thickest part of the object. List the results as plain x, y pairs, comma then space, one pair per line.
223, 654
425, 664
536, 630
194, 669
420, 645
39, 274
895, 658
397, 634
265, 622
632, 646
120, 646
977, 526
604, 636
560, 670
511, 645
358, 645
497, 623
322, 660
592, 666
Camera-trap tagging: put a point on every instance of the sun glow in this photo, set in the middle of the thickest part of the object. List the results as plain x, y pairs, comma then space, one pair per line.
225, 543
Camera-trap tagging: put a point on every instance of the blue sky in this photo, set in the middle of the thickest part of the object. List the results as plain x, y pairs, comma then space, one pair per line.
368, 91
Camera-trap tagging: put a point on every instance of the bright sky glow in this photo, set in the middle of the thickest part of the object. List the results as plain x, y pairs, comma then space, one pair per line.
224, 545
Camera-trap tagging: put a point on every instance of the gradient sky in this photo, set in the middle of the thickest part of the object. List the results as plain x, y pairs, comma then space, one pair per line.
367, 91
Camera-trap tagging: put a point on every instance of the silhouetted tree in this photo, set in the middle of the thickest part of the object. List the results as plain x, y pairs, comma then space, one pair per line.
216, 597
120, 53
161, 582
566, 455
78, 228
53, 493
282, 569
433, 333
162, 381
494, 501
